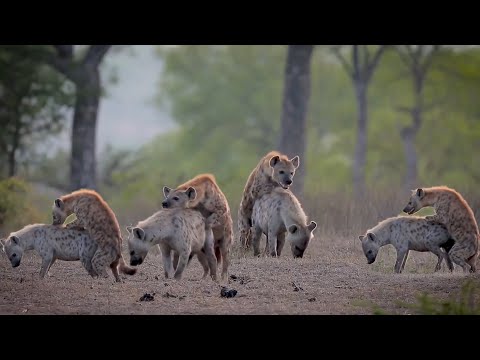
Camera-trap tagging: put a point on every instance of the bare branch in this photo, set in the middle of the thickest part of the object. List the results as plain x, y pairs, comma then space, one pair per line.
95, 54
343, 61
65, 51
376, 58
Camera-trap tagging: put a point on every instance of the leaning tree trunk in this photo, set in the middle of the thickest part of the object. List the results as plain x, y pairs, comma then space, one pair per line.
296, 95
12, 153
83, 165
360, 155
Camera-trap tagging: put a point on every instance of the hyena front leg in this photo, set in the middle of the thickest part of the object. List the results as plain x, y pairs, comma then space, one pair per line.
401, 253
47, 261
272, 243
167, 261
182, 263
280, 242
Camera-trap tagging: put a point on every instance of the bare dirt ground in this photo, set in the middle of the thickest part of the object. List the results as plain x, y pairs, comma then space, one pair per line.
332, 278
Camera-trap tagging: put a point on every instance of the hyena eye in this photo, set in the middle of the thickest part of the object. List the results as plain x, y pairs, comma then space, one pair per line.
175, 198
291, 173
369, 251
132, 253
281, 172
14, 255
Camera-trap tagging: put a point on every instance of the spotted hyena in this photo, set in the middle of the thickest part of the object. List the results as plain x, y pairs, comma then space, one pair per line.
52, 243
275, 170
98, 219
407, 233
202, 193
181, 231
279, 215
454, 212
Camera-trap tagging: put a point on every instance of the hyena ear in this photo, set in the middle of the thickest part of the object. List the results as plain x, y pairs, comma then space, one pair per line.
2, 244
295, 161
191, 193
274, 161
361, 237
166, 191
139, 233
15, 239
312, 226
371, 236
129, 229
420, 193
59, 203
292, 229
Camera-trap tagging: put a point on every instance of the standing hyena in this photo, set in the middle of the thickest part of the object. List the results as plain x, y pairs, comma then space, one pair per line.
273, 171
203, 194
95, 216
278, 213
182, 231
52, 243
407, 233
453, 211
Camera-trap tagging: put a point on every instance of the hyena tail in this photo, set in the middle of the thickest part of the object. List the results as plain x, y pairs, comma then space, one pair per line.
124, 268
244, 224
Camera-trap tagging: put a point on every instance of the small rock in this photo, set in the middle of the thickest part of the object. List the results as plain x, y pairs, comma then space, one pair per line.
228, 293
168, 295
296, 287
156, 277
147, 297
312, 299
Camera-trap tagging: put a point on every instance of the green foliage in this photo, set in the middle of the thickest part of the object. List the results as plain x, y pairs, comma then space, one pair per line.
33, 102
16, 206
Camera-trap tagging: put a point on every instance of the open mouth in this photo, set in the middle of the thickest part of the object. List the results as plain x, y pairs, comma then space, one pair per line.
285, 186
371, 261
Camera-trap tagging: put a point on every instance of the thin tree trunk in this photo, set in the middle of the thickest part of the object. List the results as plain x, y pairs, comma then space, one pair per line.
408, 137
360, 155
296, 95
83, 164
12, 153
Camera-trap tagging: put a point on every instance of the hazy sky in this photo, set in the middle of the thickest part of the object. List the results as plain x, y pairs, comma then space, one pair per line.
127, 117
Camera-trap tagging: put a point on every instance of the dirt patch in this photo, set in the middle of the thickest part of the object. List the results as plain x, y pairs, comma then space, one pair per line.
332, 278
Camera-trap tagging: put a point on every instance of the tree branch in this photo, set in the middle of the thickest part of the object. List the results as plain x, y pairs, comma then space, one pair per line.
65, 51
95, 55
343, 61
376, 58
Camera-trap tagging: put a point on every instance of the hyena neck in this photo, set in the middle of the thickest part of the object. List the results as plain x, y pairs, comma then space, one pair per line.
28, 243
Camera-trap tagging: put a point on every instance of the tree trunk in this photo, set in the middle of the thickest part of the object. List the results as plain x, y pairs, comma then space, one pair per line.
12, 153
83, 165
296, 95
360, 155
408, 137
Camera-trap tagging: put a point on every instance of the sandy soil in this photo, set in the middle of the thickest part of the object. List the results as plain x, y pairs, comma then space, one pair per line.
332, 278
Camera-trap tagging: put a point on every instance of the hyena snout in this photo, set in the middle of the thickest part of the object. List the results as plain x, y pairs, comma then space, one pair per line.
409, 209
134, 261
165, 204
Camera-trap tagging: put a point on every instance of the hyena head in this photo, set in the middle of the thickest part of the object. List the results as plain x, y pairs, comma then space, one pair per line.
416, 202
299, 237
178, 198
59, 212
14, 251
283, 171
138, 244
370, 246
